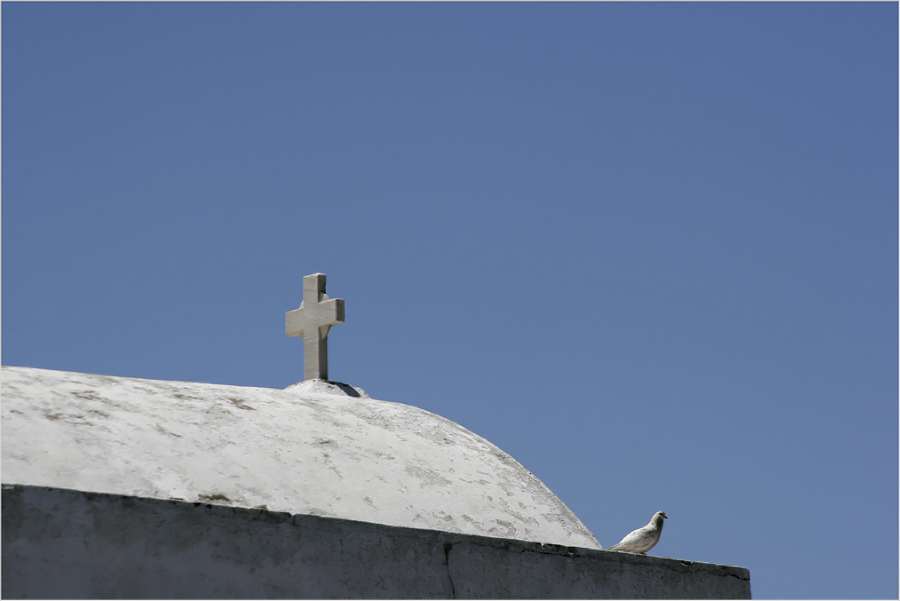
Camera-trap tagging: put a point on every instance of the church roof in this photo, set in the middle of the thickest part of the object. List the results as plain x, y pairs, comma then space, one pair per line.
315, 448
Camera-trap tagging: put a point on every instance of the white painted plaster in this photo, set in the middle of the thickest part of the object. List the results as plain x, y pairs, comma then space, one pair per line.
310, 449
64, 544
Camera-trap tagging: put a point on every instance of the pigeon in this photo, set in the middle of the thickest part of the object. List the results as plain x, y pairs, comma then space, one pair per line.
643, 539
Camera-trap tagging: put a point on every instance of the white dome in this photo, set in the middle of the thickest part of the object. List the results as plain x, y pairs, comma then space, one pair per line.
310, 449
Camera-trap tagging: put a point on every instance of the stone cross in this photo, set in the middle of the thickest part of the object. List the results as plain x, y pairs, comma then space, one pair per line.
316, 315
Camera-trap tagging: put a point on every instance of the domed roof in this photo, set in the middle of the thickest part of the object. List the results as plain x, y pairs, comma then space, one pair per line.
314, 448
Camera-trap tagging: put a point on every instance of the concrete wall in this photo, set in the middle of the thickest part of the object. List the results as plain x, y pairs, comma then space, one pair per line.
64, 543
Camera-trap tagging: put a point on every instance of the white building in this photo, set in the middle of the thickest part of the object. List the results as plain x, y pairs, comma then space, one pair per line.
132, 488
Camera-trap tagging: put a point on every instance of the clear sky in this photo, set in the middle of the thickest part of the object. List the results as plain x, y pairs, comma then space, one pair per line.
649, 250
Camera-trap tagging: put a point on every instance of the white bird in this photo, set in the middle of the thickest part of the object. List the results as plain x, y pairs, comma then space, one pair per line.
643, 539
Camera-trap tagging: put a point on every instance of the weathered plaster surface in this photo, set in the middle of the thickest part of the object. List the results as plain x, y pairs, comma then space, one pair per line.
311, 449
71, 544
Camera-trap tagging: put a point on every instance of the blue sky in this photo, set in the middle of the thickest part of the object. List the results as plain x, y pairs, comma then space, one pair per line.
650, 250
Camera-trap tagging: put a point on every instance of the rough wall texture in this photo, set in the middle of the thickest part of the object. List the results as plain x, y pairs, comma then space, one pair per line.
64, 543
313, 449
